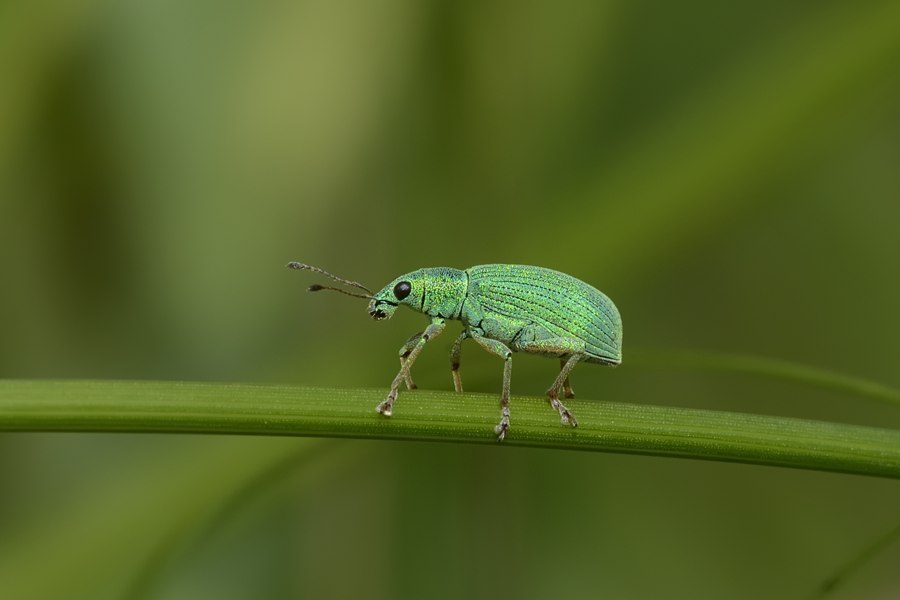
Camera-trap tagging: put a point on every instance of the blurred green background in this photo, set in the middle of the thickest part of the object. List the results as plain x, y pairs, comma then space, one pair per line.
729, 173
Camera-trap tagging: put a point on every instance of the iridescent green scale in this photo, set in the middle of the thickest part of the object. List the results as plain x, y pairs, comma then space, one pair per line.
558, 302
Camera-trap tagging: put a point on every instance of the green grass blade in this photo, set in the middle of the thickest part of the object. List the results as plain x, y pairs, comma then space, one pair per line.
444, 416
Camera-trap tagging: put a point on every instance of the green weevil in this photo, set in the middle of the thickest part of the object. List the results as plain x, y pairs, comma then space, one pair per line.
505, 309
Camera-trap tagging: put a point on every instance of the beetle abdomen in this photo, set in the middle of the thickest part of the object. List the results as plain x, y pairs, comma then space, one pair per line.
559, 303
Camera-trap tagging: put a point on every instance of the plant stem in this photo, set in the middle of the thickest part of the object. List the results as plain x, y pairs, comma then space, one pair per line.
228, 408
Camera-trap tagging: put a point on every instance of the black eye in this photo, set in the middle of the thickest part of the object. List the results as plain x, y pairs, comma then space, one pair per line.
402, 290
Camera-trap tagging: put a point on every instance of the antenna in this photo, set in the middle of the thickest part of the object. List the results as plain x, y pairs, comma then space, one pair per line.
316, 287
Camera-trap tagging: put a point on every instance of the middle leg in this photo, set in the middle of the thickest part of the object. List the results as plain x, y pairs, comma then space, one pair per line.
454, 360
500, 349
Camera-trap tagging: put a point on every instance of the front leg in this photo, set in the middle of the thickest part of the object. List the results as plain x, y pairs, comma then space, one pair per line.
405, 351
433, 330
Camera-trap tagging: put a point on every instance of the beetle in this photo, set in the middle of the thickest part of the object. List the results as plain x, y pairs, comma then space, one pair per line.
505, 309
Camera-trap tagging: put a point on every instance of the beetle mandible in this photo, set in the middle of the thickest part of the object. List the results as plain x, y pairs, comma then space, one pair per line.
505, 309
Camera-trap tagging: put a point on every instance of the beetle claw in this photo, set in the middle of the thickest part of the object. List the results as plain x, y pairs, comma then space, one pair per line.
387, 406
565, 416
501, 428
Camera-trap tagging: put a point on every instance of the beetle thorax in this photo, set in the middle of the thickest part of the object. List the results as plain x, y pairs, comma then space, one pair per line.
444, 291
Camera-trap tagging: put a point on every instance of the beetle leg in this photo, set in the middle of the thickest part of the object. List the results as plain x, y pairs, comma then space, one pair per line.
454, 360
568, 392
498, 348
433, 330
562, 381
573, 349
405, 351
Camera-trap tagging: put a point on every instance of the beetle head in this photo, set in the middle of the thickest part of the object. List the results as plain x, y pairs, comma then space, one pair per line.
406, 289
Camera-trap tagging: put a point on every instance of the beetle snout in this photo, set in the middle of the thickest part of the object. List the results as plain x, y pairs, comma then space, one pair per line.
380, 310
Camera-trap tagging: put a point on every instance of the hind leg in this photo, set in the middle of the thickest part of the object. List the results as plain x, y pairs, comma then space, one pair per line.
562, 381
571, 351
568, 392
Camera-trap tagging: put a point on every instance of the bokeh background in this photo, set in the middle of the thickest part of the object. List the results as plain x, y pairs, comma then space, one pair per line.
729, 173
